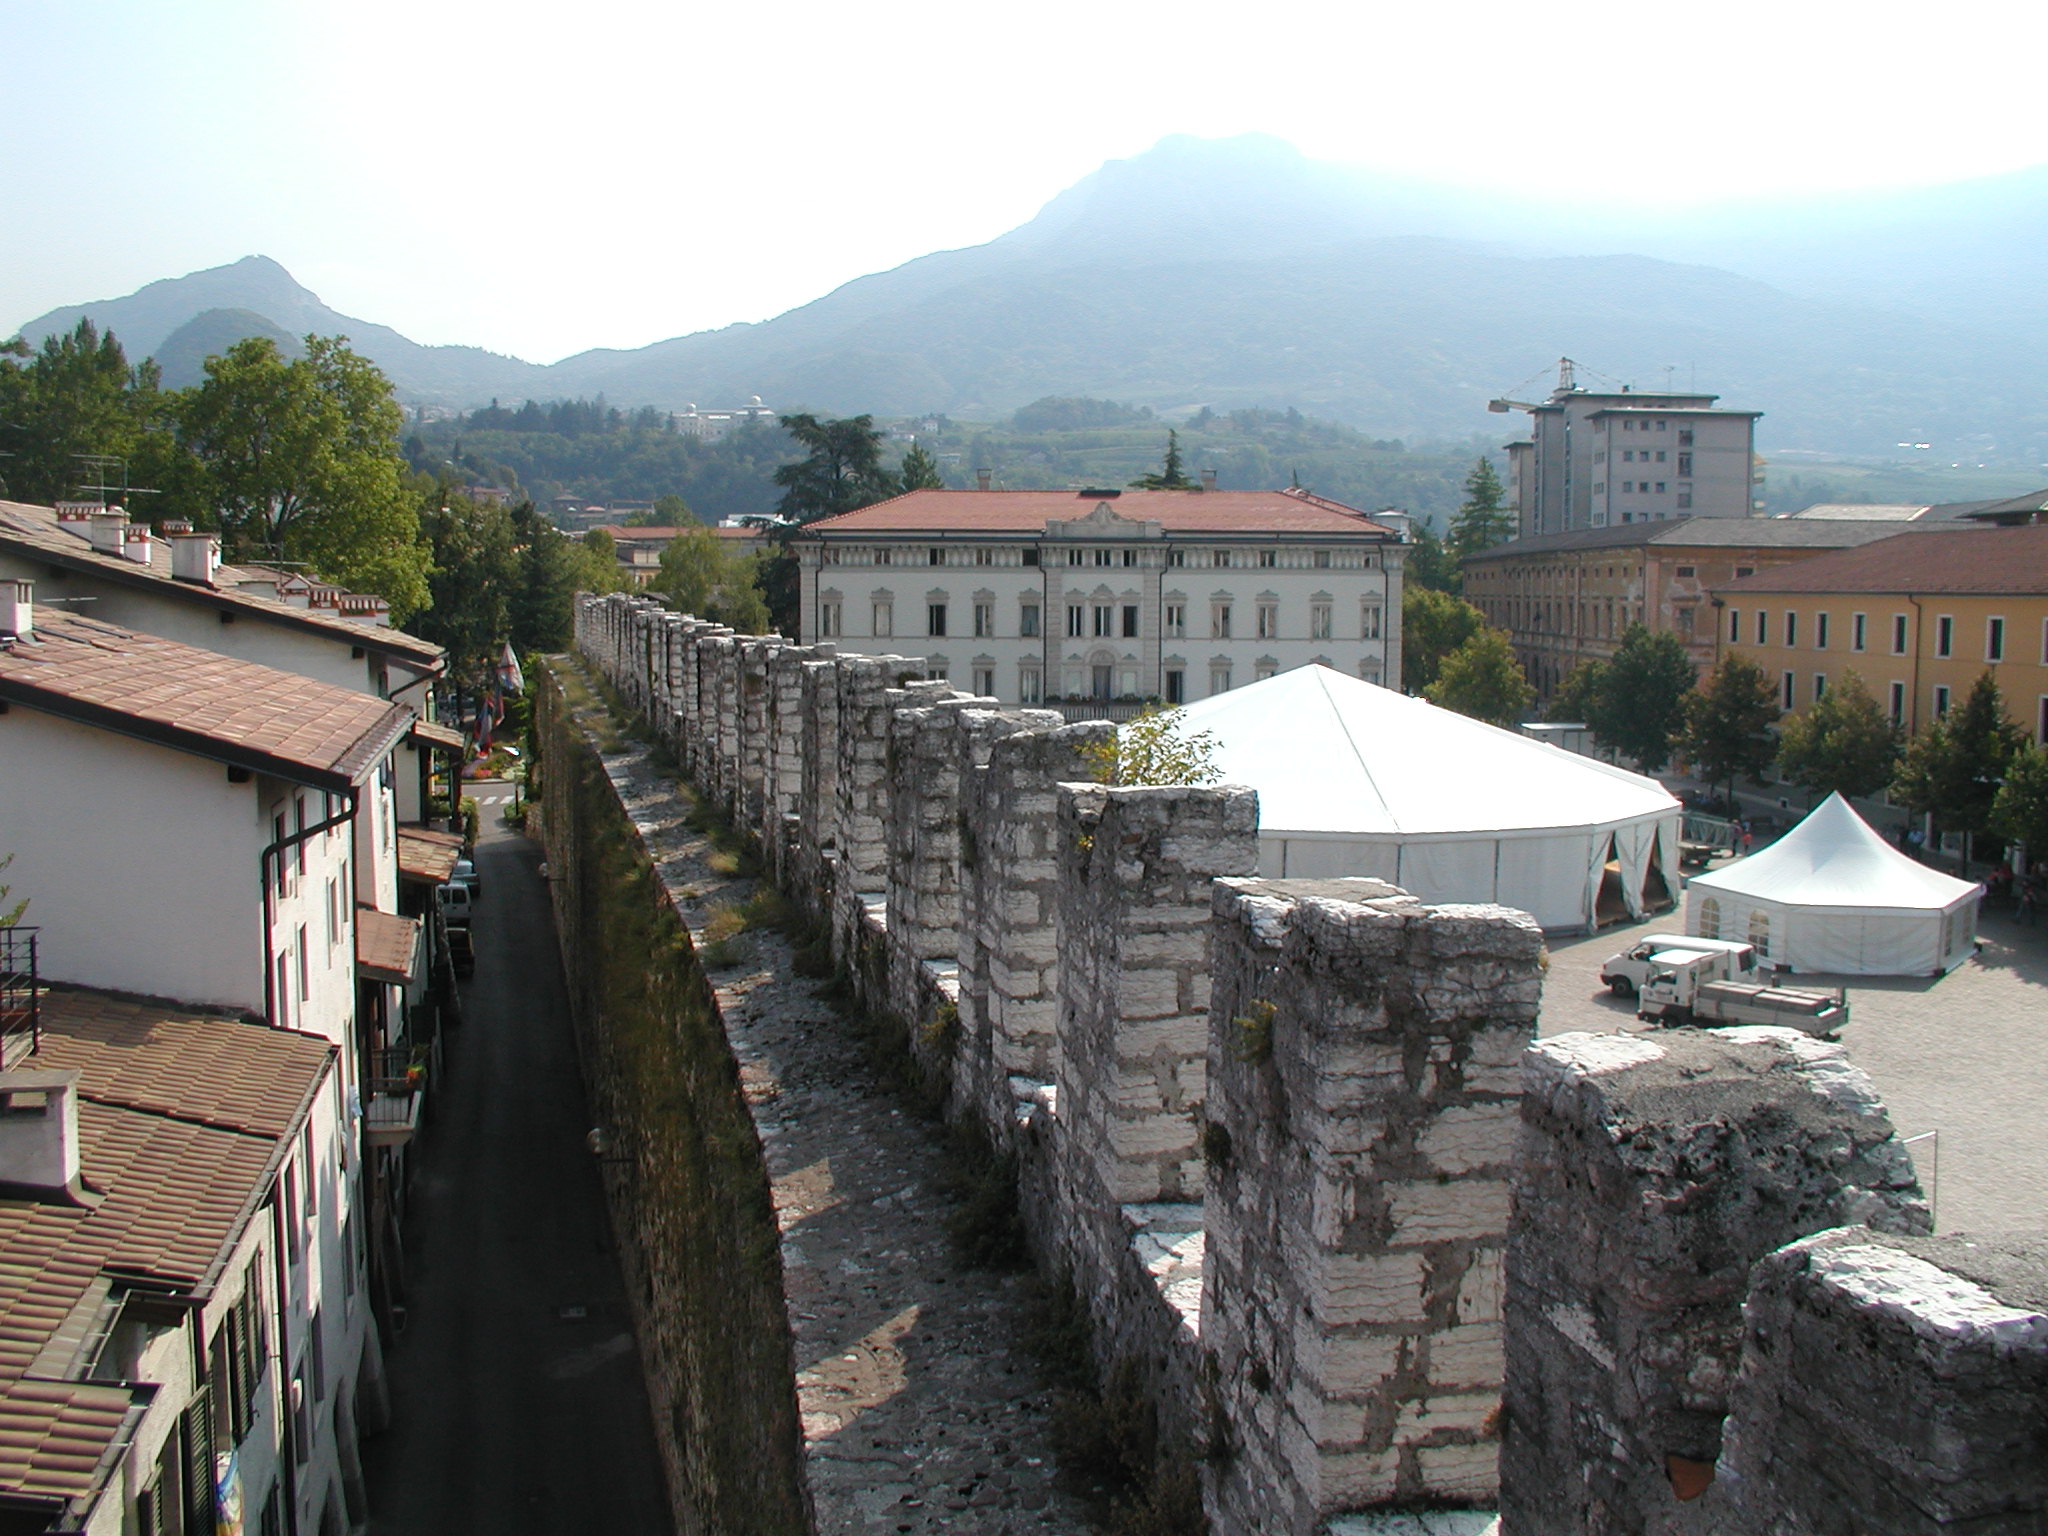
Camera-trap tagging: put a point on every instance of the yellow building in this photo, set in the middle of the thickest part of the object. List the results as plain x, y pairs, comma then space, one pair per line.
1919, 617
1564, 598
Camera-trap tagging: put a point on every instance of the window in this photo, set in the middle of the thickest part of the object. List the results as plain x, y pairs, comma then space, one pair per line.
1268, 558
1944, 636
984, 620
1785, 692
1761, 635
1220, 558
1760, 931
1994, 639
1130, 621
1629, 457
1710, 917
1684, 501
2041, 722
1219, 622
299, 849
1130, 557
1820, 631
1734, 624
1219, 679
828, 621
1264, 670
1177, 687
937, 556
1105, 620
1177, 620
1660, 483
1029, 685
1027, 620
1685, 463
1685, 437
1176, 557
1859, 631
1269, 621
1077, 621
1031, 555
1660, 451
333, 913
1898, 703
1321, 560
984, 557
885, 618
1687, 571
1629, 486
305, 969
883, 556
985, 681
1077, 557
939, 671
1319, 621
1820, 686
1898, 634
1791, 628
1369, 622
1940, 702
1105, 557
935, 618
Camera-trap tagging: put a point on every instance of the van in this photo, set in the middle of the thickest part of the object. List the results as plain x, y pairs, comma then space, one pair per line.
1626, 972
456, 903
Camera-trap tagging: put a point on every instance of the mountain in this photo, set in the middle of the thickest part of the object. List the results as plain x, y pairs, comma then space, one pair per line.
1239, 272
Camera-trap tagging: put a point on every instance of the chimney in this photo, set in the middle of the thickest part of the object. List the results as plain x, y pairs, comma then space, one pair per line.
39, 1137
17, 608
194, 556
106, 530
74, 514
983, 477
1208, 479
175, 525
136, 543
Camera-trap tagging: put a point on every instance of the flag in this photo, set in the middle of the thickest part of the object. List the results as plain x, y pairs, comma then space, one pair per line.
510, 678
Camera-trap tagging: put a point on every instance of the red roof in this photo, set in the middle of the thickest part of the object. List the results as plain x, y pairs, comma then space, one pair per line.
1963, 561
200, 701
1025, 513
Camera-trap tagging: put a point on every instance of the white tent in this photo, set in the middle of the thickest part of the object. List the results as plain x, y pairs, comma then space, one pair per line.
1833, 895
1355, 779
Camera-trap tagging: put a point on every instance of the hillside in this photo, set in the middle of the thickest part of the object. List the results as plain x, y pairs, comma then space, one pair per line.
1238, 273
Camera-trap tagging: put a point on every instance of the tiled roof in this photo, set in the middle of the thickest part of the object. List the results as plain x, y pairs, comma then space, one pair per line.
1025, 513
387, 946
193, 1066
200, 701
1976, 560
1698, 533
179, 1119
34, 532
427, 855
434, 734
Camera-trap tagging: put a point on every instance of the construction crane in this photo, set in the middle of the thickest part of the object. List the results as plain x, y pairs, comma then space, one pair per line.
1567, 381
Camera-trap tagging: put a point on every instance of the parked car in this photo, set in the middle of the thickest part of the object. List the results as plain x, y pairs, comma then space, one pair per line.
1626, 972
462, 951
455, 903
465, 874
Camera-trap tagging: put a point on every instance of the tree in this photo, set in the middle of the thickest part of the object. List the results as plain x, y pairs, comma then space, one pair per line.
1481, 678
702, 575
1429, 562
472, 580
1728, 720
919, 471
302, 464
1843, 744
1154, 747
1577, 698
840, 471
1433, 624
1482, 521
2019, 811
542, 610
1952, 767
1170, 476
1640, 707
72, 401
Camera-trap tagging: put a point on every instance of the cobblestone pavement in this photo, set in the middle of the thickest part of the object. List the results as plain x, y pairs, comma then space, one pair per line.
920, 1413
1965, 1056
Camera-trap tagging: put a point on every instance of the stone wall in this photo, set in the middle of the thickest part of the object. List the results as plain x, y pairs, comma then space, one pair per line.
1362, 1125
1654, 1172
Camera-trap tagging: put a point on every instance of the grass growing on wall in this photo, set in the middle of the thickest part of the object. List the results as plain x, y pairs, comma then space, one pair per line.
690, 1194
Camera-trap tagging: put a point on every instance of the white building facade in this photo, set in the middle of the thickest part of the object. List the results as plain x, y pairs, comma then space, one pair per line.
1104, 596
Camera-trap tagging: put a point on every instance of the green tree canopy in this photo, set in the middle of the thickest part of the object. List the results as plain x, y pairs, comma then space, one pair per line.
1481, 678
1429, 562
840, 471
1170, 476
919, 471
1155, 747
2019, 811
1843, 743
1433, 624
302, 465
1577, 698
553, 568
473, 578
702, 575
1728, 720
1639, 707
1952, 767
1482, 521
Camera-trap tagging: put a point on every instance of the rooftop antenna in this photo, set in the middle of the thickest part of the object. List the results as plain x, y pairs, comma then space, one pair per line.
1567, 375
102, 467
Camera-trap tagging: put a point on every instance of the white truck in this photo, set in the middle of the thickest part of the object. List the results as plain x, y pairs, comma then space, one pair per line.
1626, 972
1688, 987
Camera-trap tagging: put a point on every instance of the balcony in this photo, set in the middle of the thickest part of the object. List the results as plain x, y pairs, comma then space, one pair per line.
21, 1009
395, 1090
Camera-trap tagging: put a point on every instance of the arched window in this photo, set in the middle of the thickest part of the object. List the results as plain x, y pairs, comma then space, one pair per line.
1760, 932
1710, 917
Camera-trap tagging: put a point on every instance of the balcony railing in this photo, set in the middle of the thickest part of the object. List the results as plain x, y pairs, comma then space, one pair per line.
21, 1008
396, 1087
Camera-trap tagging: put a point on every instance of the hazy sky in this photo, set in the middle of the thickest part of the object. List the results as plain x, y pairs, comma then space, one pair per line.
539, 178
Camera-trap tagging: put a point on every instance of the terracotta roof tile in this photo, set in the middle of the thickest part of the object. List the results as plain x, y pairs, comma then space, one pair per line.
34, 531
1990, 561
200, 701
387, 946
1025, 513
427, 855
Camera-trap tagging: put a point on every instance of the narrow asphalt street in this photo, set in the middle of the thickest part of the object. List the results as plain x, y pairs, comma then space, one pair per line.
517, 1398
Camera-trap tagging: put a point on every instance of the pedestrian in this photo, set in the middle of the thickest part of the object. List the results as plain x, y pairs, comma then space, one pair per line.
2028, 898
1748, 835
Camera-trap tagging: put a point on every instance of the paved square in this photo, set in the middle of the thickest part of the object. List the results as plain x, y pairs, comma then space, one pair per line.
1965, 1055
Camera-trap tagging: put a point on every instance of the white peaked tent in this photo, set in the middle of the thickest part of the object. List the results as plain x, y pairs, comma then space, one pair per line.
1833, 895
1355, 779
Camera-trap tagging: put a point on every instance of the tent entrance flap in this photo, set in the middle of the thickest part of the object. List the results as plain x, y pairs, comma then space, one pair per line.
1657, 894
